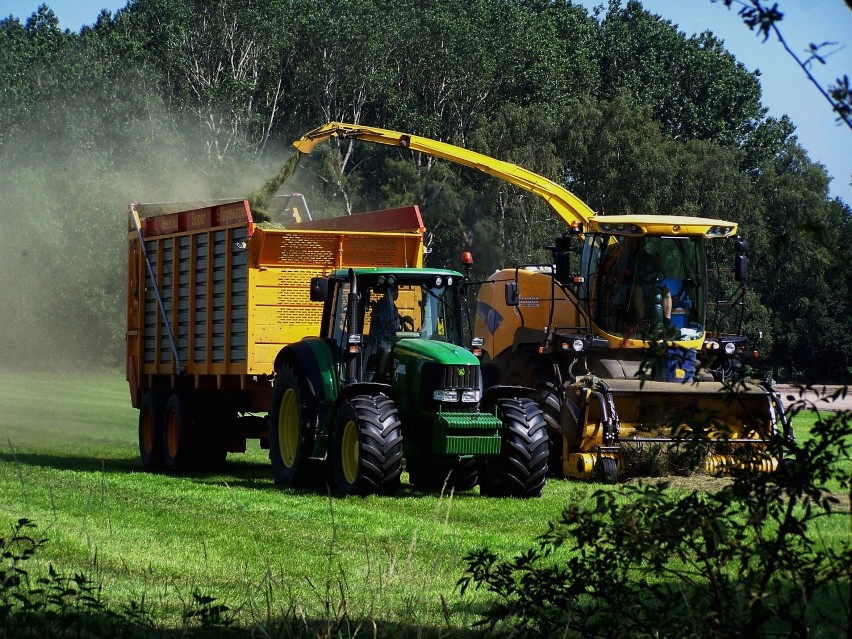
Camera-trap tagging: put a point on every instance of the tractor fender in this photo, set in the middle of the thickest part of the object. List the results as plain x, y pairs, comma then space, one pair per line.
494, 393
313, 358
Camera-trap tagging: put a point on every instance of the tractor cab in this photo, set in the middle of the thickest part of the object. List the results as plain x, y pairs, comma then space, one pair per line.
392, 307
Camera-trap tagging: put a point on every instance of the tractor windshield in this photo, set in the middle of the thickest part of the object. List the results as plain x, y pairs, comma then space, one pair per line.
645, 284
400, 311
440, 312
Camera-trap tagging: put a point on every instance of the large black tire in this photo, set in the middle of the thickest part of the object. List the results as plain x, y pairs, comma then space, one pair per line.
289, 437
181, 448
529, 368
366, 447
215, 422
151, 414
429, 474
521, 468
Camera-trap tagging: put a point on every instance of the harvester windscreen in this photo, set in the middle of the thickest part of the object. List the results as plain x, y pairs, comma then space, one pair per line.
645, 285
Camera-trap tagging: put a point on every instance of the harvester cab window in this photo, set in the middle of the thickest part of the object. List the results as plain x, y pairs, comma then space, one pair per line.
645, 283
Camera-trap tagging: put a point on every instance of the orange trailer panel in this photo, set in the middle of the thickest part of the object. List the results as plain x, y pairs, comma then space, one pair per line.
210, 294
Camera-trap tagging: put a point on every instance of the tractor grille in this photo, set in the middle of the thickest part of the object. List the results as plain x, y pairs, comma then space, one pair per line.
440, 376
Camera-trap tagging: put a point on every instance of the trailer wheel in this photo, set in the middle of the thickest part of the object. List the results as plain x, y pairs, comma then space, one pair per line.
151, 413
214, 422
366, 447
521, 468
288, 445
180, 445
427, 474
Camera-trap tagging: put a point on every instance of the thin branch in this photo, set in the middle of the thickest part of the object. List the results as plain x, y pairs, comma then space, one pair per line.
756, 15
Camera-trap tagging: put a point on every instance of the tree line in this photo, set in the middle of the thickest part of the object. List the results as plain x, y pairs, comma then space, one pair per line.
173, 100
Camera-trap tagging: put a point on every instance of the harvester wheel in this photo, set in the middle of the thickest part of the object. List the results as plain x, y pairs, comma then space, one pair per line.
528, 368
428, 474
366, 447
288, 432
180, 443
607, 470
521, 468
151, 413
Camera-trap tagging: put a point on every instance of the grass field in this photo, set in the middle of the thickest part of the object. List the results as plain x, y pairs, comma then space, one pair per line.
69, 462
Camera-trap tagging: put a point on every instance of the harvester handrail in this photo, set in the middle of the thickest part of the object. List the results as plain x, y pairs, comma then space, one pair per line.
565, 204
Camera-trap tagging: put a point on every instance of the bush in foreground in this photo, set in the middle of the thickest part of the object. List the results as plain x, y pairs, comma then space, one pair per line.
646, 561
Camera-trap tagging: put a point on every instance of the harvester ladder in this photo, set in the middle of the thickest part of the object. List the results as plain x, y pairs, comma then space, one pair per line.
138, 224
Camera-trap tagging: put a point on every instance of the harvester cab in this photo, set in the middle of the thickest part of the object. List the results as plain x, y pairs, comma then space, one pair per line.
625, 282
392, 375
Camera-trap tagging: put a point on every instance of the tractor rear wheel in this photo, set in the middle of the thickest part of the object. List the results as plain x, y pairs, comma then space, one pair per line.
521, 468
151, 413
288, 428
366, 446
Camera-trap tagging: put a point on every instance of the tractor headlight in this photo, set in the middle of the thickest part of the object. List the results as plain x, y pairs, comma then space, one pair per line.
730, 348
445, 395
470, 396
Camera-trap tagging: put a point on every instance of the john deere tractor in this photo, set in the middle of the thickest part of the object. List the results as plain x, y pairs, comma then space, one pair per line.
392, 381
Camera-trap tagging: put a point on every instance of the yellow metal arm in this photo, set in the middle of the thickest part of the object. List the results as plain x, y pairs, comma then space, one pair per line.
564, 203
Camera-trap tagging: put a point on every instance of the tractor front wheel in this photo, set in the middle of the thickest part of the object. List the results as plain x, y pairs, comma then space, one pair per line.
366, 447
521, 468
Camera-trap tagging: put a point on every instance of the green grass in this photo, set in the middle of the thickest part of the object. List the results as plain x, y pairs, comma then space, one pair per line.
69, 462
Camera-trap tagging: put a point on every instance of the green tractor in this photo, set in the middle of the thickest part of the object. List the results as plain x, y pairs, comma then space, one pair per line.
391, 377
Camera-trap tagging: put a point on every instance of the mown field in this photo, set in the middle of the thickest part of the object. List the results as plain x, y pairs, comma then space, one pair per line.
69, 462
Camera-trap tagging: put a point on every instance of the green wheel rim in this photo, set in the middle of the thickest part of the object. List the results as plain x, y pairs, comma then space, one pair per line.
349, 452
288, 428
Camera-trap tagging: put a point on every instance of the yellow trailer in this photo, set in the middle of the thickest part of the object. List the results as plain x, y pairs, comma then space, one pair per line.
213, 298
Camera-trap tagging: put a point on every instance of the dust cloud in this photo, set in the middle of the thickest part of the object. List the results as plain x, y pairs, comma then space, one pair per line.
64, 198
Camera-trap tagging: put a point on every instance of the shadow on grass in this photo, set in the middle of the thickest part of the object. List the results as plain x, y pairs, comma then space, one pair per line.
106, 624
238, 473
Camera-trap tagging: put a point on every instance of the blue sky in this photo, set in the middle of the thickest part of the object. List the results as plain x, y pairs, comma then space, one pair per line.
785, 87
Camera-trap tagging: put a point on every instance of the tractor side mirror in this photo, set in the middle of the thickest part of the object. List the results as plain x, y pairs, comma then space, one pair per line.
741, 268
319, 289
512, 296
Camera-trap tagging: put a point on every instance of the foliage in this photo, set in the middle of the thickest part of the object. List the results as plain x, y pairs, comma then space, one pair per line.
649, 561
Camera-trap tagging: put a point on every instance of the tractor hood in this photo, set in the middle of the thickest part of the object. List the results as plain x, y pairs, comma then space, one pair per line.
432, 350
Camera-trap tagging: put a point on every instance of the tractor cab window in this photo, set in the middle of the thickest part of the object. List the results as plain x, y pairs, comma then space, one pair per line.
646, 284
440, 313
